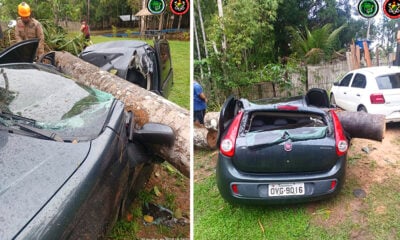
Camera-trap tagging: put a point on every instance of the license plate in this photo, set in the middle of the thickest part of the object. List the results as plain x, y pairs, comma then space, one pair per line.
286, 189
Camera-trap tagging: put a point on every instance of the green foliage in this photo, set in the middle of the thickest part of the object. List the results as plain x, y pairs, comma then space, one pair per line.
114, 30
56, 39
316, 45
128, 32
146, 196
249, 44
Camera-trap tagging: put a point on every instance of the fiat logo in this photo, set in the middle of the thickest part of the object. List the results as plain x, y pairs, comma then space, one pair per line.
288, 146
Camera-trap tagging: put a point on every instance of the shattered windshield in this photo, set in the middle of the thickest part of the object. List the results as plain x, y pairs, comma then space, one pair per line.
53, 101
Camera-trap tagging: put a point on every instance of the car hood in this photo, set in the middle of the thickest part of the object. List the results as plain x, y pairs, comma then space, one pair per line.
31, 175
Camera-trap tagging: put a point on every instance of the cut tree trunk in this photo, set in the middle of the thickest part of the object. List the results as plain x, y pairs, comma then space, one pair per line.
363, 125
204, 138
356, 124
146, 106
211, 120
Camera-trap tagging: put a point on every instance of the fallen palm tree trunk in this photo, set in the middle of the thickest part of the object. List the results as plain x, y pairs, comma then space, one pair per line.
356, 124
363, 125
146, 106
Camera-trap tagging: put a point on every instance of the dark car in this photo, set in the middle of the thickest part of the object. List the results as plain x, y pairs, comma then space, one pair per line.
71, 158
136, 61
283, 152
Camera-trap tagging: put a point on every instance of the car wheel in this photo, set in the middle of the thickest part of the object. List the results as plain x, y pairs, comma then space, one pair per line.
362, 109
332, 100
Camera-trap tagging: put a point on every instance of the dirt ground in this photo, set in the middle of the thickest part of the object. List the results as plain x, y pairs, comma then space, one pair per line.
174, 194
369, 162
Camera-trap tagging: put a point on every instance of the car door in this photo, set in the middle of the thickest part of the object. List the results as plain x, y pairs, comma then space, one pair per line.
165, 66
24, 51
356, 91
341, 97
228, 111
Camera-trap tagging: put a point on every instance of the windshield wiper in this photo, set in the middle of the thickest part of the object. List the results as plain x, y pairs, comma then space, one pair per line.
11, 116
44, 133
41, 132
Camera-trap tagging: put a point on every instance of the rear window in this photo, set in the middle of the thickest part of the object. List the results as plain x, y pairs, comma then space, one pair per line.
275, 127
267, 121
389, 81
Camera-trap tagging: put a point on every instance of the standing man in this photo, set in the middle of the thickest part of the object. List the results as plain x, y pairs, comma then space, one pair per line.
199, 102
85, 30
28, 27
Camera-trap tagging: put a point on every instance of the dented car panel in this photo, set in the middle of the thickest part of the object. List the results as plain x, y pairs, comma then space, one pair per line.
279, 151
136, 61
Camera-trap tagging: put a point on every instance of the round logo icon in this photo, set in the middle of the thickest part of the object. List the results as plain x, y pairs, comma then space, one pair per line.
179, 7
391, 8
368, 8
156, 6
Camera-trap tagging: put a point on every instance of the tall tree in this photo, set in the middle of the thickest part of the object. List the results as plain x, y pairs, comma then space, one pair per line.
316, 45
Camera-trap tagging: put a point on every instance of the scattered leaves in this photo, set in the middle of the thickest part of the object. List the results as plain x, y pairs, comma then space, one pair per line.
178, 213
156, 191
261, 226
129, 217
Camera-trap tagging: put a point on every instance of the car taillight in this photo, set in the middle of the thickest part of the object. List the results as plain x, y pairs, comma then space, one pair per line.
227, 146
333, 184
377, 98
340, 138
235, 188
287, 107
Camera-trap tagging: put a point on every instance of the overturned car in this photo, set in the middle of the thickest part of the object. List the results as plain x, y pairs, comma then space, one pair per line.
136, 61
72, 160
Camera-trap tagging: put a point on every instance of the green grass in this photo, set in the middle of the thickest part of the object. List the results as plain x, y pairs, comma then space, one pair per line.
180, 53
216, 219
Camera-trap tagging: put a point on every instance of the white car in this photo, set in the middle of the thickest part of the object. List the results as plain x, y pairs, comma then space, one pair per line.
374, 90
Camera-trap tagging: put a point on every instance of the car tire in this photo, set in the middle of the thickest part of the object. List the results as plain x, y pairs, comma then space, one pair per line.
362, 109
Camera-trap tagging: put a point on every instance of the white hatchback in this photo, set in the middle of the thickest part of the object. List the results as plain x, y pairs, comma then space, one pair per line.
374, 90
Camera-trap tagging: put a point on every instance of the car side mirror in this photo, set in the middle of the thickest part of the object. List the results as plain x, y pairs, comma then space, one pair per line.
150, 133
154, 133
336, 84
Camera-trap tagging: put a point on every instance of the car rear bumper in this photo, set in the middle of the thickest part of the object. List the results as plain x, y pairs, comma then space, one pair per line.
253, 188
392, 113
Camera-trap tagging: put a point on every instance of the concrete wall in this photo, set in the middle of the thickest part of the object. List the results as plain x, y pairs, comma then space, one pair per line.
319, 76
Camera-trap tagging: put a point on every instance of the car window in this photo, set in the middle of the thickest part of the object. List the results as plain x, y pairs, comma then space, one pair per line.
389, 81
359, 81
54, 101
346, 80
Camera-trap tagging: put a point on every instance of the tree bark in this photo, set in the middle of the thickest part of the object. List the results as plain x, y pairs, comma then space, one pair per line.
146, 106
204, 138
363, 125
211, 120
